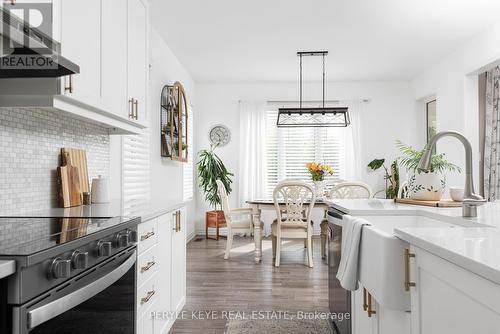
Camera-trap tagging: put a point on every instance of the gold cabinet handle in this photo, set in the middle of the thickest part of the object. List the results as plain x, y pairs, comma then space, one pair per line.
408, 283
131, 108
146, 299
365, 304
136, 109
177, 216
147, 235
70, 86
370, 310
147, 266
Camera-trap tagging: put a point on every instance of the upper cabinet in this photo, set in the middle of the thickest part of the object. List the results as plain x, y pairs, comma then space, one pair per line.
137, 58
108, 40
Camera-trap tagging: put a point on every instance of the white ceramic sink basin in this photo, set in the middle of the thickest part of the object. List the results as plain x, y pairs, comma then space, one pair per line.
381, 267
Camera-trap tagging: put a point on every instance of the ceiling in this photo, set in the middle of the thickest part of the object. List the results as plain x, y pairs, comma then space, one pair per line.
257, 40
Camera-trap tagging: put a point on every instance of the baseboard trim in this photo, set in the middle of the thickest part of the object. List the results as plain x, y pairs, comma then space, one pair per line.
191, 236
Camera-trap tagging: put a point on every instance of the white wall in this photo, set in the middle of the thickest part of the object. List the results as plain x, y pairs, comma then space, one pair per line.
166, 175
389, 115
453, 81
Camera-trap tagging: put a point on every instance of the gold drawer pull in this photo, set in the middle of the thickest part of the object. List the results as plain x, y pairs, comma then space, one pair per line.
370, 310
131, 108
147, 235
148, 297
365, 304
70, 87
408, 255
147, 266
136, 109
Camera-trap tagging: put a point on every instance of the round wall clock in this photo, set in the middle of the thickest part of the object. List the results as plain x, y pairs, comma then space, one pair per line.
219, 135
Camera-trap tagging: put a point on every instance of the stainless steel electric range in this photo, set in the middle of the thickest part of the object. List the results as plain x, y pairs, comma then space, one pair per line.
73, 275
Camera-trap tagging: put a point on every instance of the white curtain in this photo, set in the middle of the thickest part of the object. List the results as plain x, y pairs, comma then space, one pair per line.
252, 153
352, 169
492, 136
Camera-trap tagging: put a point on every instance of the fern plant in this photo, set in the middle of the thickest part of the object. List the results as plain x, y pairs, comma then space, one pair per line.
412, 157
210, 169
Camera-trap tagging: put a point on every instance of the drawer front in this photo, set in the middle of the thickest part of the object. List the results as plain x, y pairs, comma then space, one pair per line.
145, 324
147, 294
147, 265
147, 235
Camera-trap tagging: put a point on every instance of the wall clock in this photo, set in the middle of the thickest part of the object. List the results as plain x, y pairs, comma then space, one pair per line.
219, 135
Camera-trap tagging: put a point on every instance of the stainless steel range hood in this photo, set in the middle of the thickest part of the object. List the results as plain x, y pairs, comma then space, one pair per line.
26, 52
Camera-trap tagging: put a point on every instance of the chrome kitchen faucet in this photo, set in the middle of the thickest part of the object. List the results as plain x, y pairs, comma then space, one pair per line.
471, 200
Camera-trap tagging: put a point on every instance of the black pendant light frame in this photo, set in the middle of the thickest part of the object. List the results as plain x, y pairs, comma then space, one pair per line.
313, 117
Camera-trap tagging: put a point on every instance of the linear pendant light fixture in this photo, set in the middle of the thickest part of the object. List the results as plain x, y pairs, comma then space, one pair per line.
313, 117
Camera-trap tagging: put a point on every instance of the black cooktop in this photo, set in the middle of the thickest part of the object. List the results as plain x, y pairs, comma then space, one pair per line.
27, 236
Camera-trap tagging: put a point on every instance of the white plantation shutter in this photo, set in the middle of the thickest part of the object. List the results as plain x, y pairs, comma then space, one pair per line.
290, 149
188, 168
135, 164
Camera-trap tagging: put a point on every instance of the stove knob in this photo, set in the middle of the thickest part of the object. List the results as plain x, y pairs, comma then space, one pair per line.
122, 239
104, 248
132, 236
60, 268
80, 260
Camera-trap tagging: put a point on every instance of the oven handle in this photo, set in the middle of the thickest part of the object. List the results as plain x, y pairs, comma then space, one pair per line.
63, 304
335, 213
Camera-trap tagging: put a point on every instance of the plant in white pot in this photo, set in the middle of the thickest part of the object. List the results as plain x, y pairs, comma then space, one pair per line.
425, 186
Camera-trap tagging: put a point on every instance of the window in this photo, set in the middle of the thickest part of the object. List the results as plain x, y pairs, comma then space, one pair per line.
289, 149
430, 116
188, 167
135, 172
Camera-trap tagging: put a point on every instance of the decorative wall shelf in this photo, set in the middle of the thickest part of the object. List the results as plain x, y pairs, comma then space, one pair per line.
174, 122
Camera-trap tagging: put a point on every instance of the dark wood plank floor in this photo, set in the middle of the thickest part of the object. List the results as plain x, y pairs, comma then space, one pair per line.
238, 284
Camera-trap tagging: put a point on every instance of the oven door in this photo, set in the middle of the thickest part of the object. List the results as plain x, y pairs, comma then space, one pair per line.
100, 300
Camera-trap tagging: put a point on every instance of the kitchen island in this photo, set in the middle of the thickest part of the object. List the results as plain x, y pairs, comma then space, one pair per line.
446, 268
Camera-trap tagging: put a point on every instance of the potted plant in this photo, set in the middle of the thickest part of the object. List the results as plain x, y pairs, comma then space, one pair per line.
318, 172
391, 176
210, 169
425, 186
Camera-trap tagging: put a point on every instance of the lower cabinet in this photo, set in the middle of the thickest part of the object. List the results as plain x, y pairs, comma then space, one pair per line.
368, 317
161, 272
449, 299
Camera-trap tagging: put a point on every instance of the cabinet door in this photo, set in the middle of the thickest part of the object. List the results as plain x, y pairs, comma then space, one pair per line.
449, 299
114, 57
361, 323
164, 271
81, 43
138, 56
178, 291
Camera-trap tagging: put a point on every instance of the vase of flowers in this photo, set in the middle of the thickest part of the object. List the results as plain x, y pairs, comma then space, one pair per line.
318, 172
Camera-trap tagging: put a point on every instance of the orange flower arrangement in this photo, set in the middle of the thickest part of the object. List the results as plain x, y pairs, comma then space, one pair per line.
318, 171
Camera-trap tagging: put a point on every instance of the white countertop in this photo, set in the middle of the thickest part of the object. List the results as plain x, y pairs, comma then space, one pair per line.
112, 209
7, 267
475, 245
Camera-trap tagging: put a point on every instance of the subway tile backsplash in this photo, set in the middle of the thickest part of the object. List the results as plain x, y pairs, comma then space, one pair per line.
30, 143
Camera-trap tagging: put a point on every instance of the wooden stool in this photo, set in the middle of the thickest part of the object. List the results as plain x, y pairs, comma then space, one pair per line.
214, 219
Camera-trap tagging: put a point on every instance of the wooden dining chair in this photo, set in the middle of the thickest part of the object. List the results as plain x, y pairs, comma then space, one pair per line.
348, 189
293, 201
238, 221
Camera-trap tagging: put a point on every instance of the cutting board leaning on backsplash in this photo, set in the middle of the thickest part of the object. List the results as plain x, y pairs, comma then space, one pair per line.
79, 160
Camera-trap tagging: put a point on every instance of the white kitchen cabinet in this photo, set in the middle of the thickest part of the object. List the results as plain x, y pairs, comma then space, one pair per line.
381, 321
449, 299
114, 57
80, 31
162, 241
138, 58
178, 292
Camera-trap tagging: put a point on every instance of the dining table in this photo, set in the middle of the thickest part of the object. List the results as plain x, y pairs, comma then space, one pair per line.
258, 205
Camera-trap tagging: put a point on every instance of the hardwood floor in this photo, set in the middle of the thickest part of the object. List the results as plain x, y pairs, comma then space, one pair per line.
241, 286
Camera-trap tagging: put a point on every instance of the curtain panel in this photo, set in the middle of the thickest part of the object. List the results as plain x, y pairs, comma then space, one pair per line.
492, 136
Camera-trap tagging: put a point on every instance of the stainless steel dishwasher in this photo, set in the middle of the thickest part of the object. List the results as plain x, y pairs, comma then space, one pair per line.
339, 299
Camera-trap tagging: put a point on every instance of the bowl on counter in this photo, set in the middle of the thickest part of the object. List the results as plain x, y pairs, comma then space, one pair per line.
457, 194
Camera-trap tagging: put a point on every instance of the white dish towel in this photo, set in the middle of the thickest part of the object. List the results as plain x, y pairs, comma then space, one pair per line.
351, 240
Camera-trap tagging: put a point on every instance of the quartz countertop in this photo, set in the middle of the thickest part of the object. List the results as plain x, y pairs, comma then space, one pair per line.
474, 244
7, 268
112, 209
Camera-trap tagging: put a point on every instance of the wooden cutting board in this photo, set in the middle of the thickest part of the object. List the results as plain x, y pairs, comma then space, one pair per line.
444, 203
78, 159
71, 193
